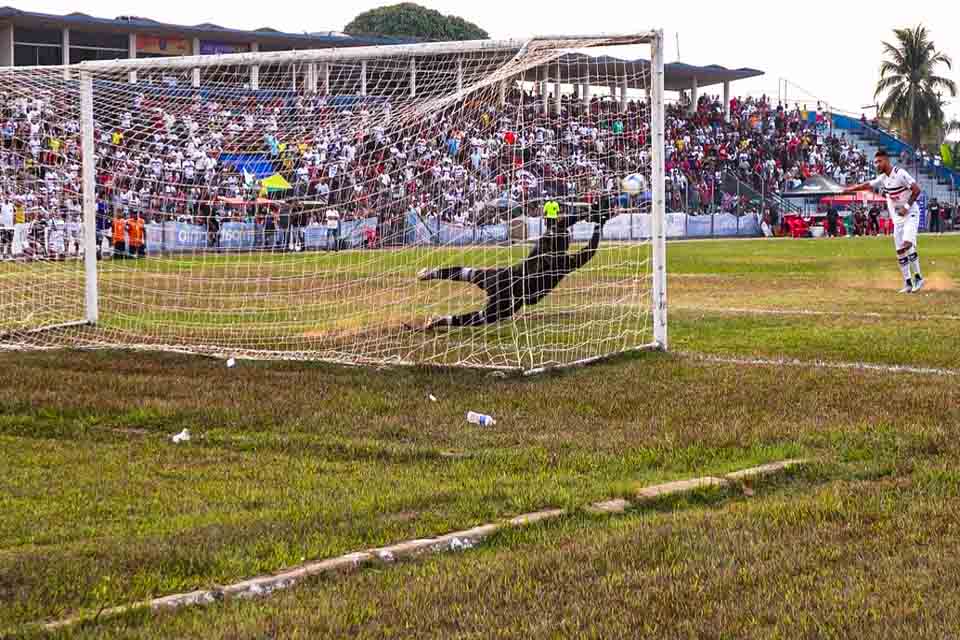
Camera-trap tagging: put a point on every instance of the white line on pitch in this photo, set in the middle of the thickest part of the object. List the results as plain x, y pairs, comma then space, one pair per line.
822, 364
811, 312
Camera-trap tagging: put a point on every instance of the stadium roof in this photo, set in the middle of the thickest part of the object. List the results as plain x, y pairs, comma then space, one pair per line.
127, 24
678, 76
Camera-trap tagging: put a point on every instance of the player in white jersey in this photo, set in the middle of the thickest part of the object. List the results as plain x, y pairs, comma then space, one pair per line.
901, 192
6, 230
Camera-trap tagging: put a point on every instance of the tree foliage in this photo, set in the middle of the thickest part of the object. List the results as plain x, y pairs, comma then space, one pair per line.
910, 85
413, 21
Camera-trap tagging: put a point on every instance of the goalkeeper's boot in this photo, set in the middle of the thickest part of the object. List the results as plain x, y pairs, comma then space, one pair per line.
908, 288
918, 282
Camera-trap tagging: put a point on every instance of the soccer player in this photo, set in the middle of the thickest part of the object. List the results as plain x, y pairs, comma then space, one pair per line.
508, 289
901, 191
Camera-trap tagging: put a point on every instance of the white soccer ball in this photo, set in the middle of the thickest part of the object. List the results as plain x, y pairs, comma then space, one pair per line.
634, 184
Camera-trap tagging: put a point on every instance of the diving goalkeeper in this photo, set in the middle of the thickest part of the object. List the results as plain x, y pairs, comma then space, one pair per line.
508, 289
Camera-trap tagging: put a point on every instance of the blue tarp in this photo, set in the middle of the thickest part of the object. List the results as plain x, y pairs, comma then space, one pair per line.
255, 163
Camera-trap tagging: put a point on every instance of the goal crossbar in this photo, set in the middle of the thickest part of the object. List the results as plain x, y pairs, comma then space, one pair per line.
361, 53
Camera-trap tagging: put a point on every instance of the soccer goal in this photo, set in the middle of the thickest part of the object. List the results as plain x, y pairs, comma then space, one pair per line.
484, 204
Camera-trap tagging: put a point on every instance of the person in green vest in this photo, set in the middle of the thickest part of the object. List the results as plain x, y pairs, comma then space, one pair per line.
551, 212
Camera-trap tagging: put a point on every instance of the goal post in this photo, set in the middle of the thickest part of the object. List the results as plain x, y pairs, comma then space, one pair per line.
370, 205
659, 205
89, 205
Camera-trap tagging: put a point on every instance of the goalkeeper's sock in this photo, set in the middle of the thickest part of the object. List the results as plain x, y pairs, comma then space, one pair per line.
905, 268
915, 263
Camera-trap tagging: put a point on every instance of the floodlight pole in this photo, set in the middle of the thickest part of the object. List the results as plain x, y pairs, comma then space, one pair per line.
659, 207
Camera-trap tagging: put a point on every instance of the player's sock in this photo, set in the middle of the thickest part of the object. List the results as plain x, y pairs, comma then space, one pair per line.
915, 263
905, 268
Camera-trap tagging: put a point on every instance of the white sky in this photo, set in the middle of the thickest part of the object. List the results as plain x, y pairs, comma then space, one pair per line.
830, 49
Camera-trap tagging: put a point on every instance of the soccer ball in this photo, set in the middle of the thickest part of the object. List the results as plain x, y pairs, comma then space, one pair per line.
634, 184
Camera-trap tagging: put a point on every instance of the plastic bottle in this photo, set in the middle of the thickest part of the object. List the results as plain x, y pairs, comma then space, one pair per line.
480, 418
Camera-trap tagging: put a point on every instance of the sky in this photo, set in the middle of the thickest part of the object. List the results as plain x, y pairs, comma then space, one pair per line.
831, 51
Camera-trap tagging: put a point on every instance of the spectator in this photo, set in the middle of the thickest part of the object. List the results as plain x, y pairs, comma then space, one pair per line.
873, 225
935, 217
270, 230
211, 222
333, 229
832, 217
860, 222
168, 158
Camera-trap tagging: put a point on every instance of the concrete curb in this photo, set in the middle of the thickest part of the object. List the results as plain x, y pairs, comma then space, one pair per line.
681, 487
456, 541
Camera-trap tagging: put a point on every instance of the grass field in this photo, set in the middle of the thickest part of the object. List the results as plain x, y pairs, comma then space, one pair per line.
350, 306
295, 461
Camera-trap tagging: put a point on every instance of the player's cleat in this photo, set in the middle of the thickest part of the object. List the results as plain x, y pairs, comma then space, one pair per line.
918, 283
908, 288
425, 274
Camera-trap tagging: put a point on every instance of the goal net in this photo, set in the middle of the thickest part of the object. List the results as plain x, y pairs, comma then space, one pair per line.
458, 204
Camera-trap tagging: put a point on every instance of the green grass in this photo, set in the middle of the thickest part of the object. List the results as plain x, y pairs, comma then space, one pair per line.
294, 461
335, 305
812, 559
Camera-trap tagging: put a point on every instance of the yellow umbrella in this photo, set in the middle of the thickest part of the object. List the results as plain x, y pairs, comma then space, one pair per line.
276, 182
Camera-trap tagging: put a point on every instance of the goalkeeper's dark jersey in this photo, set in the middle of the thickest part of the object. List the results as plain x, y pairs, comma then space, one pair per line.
511, 288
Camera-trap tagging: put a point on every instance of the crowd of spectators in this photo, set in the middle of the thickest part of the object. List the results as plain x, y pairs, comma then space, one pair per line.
200, 157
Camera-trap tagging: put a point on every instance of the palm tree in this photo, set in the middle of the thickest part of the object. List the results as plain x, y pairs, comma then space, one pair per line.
952, 158
909, 79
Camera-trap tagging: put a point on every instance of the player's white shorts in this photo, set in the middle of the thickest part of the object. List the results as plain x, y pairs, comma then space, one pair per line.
905, 230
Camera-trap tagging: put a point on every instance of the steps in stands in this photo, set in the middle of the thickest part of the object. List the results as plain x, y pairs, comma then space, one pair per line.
933, 188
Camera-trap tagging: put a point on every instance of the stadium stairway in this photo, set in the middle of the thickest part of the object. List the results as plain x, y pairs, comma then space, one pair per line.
934, 188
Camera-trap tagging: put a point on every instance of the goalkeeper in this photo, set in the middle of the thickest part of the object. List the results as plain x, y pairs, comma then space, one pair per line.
508, 289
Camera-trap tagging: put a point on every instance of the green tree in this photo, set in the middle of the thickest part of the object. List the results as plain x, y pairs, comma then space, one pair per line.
910, 84
413, 21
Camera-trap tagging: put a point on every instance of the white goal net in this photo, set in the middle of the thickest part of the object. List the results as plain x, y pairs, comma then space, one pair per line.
485, 204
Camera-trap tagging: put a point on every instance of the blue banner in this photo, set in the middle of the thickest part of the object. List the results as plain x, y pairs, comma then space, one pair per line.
185, 236
699, 226
493, 234
352, 234
238, 235
174, 236
749, 226
420, 230
423, 231
726, 224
